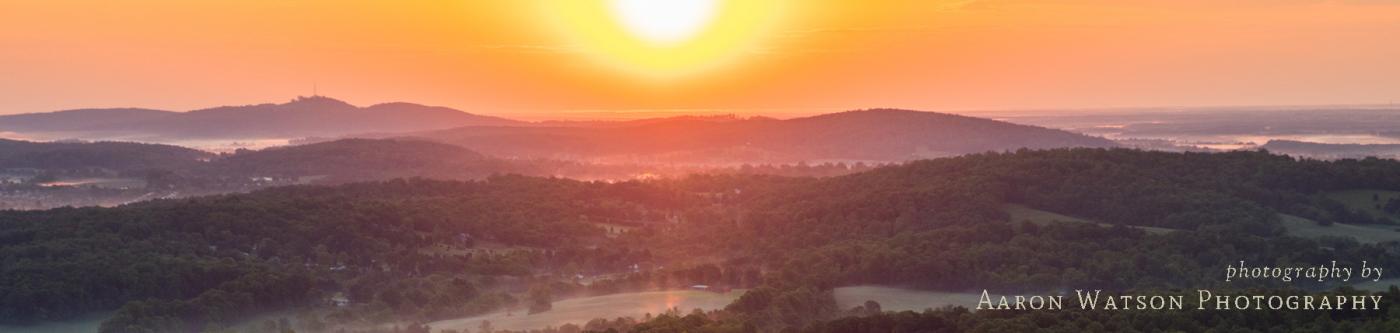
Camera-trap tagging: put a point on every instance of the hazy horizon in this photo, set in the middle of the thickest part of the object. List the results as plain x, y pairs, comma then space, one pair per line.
532, 58
778, 113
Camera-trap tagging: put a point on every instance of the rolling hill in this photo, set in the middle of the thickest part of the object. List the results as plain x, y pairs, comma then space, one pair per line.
868, 135
302, 117
356, 159
115, 156
881, 135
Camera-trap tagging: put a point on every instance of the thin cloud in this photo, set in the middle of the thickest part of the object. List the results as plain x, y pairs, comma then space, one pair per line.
533, 48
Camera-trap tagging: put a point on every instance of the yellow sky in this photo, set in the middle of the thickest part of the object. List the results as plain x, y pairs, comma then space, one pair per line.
535, 59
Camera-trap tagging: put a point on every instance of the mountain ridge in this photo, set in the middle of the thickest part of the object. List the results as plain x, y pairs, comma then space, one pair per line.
300, 117
874, 134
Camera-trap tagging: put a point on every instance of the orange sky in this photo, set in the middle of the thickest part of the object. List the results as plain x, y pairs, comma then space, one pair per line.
526, 58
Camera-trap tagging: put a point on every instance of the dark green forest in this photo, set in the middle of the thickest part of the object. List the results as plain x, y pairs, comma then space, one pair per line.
119, 157
417, 250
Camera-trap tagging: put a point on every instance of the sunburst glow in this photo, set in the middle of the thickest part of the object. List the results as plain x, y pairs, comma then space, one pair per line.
663, 21
664, 38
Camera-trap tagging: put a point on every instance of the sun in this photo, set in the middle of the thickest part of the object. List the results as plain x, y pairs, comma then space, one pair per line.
663, 21
664, 38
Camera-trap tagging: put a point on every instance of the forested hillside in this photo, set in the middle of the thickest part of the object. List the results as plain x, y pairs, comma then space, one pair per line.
116, 157
39, 175
193, 252
357, 159
420, 250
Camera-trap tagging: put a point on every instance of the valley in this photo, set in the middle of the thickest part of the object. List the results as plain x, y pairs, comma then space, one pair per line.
534, 226
454, 252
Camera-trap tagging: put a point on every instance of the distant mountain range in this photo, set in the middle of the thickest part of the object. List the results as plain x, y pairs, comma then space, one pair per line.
869, 135
130, 172
879, 135
302, 117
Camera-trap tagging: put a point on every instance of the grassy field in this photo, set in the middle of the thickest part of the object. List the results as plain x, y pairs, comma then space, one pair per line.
1306, 228
1021, 212
581, 310
1366, 200
901, 299
85, 324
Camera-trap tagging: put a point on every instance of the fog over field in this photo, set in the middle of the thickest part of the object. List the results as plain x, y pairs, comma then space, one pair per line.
579, 311
1328, 132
